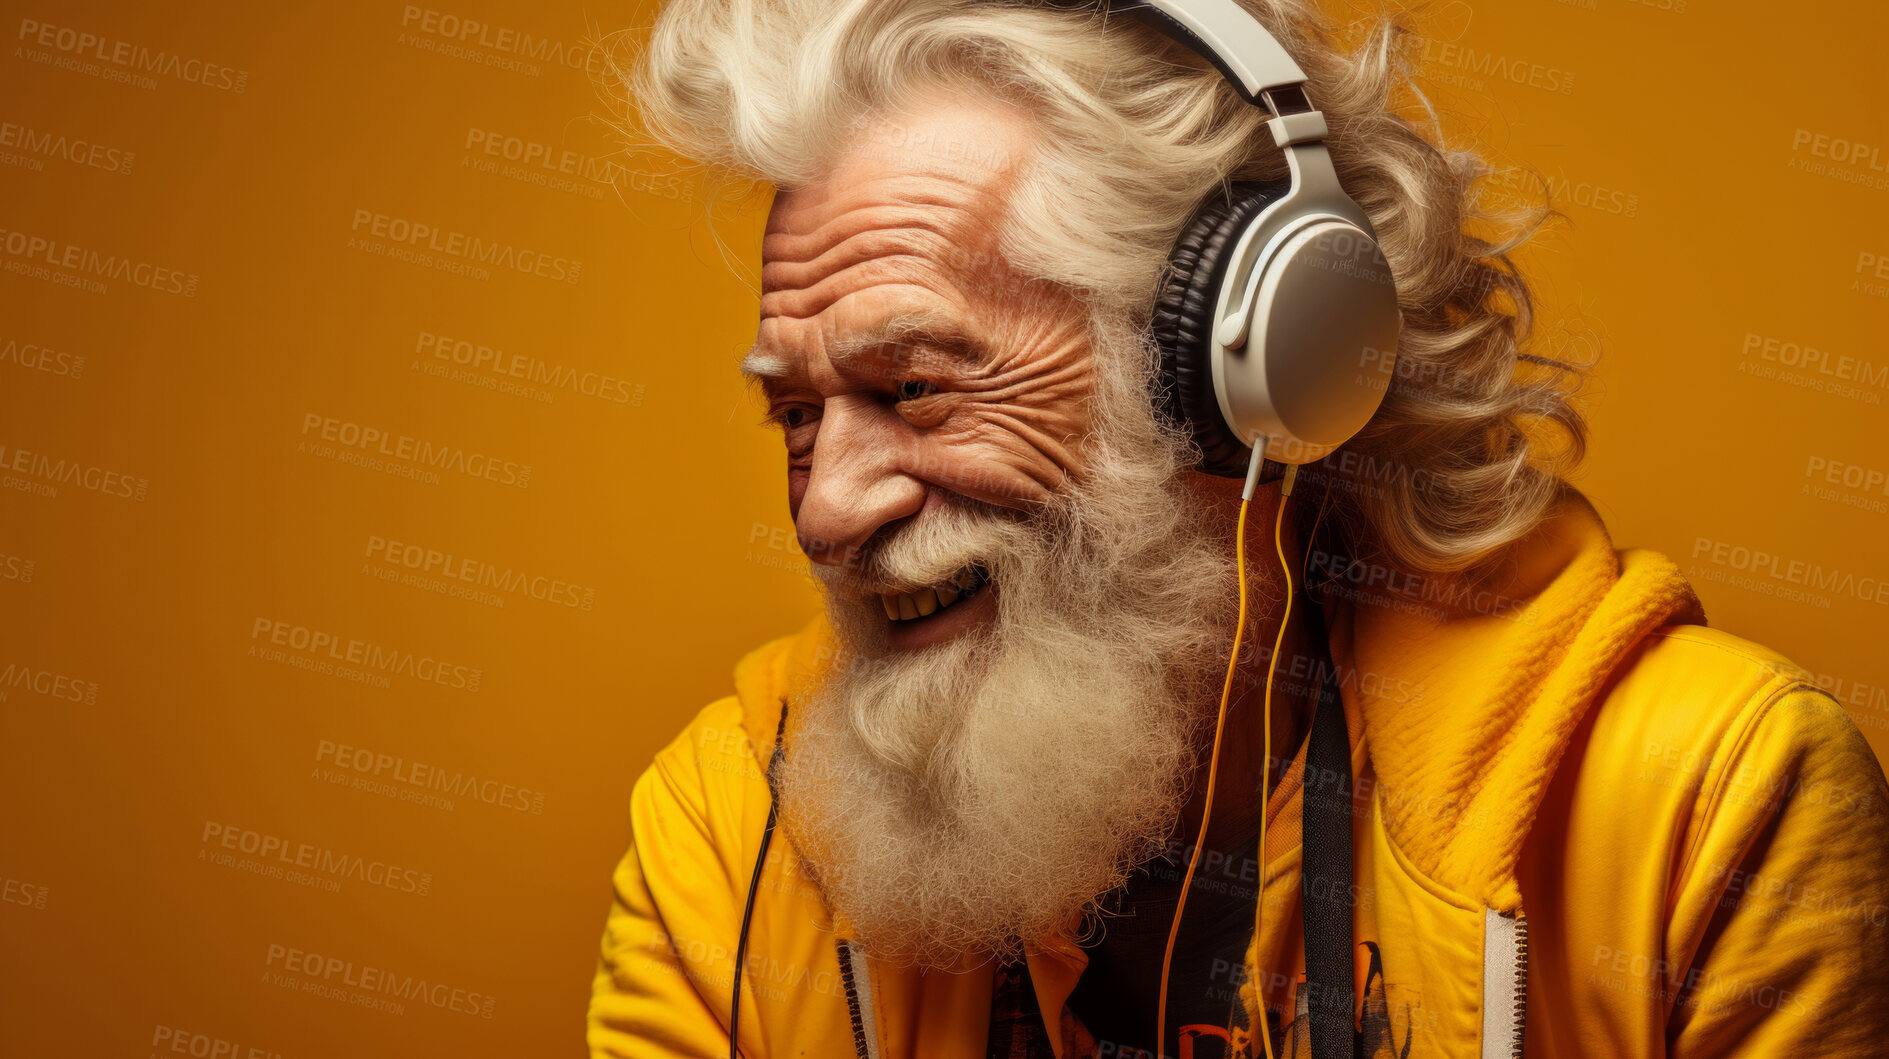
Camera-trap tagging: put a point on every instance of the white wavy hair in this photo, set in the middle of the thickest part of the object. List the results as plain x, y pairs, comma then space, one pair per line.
1458, 462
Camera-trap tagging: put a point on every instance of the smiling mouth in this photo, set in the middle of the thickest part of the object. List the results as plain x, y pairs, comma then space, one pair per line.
923, 603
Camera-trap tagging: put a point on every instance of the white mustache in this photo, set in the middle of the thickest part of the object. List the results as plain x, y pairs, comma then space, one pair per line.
930, 548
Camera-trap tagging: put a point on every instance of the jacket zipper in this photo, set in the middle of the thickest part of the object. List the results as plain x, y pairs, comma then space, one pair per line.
1504, 984
855, 976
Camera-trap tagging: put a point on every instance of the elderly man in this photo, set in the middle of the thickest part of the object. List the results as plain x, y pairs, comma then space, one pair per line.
1049, 777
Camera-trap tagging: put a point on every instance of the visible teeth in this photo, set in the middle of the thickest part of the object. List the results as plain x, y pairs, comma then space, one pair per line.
905, 606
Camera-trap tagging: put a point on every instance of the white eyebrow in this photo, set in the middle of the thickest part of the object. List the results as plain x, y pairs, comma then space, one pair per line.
926, 326
759, 365
896, 344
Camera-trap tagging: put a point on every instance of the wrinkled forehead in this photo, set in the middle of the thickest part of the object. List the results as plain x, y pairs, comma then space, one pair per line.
938, 172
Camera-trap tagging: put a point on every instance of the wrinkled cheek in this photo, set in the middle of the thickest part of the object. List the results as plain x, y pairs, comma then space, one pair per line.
1008, 473
1016, 453
797, 479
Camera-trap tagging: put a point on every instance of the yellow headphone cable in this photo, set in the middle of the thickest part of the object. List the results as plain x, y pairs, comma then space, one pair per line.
1219, 727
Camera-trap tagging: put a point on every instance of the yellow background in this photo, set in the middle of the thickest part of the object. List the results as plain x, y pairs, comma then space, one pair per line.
1705, 219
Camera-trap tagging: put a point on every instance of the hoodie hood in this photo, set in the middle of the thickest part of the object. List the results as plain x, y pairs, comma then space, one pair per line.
1506, 673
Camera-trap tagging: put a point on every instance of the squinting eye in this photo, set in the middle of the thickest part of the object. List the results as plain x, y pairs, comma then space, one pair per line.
913, 389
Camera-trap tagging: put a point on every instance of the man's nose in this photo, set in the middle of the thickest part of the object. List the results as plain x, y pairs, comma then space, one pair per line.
858, 484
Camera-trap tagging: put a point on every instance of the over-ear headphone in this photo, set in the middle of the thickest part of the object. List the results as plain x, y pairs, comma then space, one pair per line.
1276, 319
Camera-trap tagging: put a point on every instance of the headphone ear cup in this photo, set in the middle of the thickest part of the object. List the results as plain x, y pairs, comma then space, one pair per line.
1182, 324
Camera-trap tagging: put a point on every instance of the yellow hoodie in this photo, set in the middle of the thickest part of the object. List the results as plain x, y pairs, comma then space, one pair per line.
1589, 826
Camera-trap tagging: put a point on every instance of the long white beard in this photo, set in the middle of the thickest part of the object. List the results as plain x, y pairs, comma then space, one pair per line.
961, 800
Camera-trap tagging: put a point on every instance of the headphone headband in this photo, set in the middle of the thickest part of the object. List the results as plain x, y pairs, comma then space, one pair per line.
1226, 35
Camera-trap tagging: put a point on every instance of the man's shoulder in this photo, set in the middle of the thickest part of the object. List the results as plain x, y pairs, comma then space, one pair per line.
1707, 711
1701, 753
1701, 674
731, 737
710, 780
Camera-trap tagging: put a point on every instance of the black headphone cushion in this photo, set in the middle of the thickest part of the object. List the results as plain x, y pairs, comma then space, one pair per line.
1183, 321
